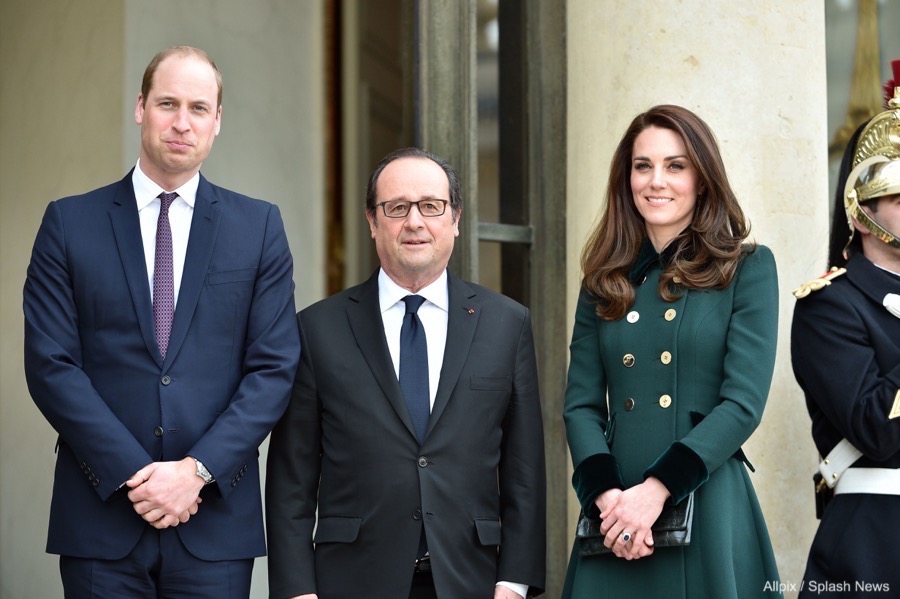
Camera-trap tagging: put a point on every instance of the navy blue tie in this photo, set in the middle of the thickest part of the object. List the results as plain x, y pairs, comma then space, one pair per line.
414, 366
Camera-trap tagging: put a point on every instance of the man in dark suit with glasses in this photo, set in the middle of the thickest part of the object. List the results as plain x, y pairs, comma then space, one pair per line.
414, 430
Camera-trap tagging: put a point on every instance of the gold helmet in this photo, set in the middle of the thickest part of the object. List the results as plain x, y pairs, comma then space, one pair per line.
875, 168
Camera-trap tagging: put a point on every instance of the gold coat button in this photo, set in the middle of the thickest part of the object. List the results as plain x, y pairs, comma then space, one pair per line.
633, 316
665, 357
629, 404
665, 401
628, 360
670, 314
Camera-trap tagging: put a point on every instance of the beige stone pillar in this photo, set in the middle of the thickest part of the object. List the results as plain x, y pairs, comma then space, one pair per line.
756, 73
61, 68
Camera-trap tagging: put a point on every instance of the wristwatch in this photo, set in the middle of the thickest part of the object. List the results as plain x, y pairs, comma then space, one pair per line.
203, 473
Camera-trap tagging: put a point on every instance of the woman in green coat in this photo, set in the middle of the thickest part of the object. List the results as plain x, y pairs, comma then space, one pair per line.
671, 361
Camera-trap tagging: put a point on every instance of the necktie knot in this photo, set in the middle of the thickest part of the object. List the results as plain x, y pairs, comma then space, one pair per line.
413, 303
166, 199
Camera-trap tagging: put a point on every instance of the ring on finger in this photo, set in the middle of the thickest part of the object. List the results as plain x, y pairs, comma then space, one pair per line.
626, 536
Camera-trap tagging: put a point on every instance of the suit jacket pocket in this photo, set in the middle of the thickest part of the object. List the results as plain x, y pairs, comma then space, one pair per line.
232, 276
487, 383
337, 530
488, 530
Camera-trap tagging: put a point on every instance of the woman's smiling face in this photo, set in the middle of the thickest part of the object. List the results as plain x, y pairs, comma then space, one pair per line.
663, 184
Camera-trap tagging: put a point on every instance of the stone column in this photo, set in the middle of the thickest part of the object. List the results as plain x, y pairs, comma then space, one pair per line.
756, 74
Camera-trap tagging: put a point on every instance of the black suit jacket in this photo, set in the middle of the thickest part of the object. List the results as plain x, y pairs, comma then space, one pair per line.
346, 446
94, 369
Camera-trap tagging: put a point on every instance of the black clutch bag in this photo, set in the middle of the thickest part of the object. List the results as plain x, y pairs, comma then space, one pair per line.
671, 529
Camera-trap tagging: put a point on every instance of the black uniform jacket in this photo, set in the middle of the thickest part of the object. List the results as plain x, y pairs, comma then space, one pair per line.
845, 348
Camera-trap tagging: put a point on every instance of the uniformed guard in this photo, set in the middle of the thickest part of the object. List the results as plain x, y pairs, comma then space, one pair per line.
845, 349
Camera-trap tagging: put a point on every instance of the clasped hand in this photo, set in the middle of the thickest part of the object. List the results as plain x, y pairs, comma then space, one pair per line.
632, 511
166, 493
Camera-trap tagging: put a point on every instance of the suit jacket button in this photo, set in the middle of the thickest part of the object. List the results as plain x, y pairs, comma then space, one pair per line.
417, 515
629, 404
166, 379
234, 482
628, 360
423, 461
665, 357
158, 431
665, 401
670, 314
95, 482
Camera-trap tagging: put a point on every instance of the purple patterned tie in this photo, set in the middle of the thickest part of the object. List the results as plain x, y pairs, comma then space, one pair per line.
163, 279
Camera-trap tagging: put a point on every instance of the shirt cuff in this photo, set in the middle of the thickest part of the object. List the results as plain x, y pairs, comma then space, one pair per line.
521, 589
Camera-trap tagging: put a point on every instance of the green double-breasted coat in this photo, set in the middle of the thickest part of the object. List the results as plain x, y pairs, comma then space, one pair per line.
673, 390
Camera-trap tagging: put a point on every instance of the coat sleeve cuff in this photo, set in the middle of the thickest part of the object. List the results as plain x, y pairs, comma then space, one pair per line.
594, 475
680, 470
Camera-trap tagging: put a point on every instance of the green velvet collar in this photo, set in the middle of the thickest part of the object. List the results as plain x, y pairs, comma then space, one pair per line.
649, 257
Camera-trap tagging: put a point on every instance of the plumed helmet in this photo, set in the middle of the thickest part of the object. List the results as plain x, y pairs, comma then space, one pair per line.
876, 165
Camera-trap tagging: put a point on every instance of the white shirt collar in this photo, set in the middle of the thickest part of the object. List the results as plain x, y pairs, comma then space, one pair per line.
145, 190
896, 274
389, 292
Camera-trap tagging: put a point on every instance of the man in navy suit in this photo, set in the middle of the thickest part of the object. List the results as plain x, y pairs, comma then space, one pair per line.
415, 491
160, 413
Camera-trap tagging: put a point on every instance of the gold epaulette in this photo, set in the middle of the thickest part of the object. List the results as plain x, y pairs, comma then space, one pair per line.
816, 284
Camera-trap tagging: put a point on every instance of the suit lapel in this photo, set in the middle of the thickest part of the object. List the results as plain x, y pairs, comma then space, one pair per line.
204, 226
126, 226
461, 324
364, 316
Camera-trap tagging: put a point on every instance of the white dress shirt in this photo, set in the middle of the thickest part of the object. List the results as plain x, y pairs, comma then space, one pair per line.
433, 313
181, 212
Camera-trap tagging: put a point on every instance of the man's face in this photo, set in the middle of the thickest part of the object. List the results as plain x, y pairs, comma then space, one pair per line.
413, 250
179, 120
886, 212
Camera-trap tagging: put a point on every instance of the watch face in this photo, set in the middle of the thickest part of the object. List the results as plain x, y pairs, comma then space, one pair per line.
203, 473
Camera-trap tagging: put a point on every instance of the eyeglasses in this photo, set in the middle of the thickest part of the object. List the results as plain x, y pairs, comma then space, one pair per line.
401, 208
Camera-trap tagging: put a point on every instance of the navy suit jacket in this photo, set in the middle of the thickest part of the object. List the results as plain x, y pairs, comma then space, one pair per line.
346, 448
94, 369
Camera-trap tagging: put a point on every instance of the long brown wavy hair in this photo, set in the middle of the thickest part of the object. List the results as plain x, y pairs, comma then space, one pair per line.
706, 254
